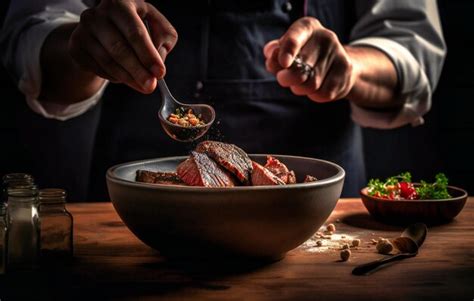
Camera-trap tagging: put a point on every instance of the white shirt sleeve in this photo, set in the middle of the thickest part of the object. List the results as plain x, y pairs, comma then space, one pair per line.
409, 33
27, 24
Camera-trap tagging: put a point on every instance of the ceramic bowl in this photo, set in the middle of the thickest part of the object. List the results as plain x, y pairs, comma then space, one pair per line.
252, 222
404, 212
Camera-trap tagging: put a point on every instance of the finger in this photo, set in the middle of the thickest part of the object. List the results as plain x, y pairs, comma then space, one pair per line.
323, 55
308, 87
334, 85
109, 37
328, 45
87, 62
163, 34
131, 26
296, 75
107, 65
272, 64
291, 77
294, 39
269, 48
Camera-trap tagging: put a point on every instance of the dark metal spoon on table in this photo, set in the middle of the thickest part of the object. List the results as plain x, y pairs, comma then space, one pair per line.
169, 105
408, 244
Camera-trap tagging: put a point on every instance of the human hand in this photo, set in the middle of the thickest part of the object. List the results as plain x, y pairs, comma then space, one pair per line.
112, 41
334, 72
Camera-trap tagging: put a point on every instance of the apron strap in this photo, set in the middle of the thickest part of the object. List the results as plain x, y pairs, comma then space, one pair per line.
204, 56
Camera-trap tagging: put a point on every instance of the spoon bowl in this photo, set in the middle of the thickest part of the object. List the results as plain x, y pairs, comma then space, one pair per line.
177, 132
408, 244
411, 239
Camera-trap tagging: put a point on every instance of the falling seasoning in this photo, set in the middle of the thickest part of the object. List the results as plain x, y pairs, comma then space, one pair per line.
23, 228
56, 226
3, 238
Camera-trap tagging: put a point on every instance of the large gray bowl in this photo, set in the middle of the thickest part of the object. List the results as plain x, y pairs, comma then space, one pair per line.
257, 222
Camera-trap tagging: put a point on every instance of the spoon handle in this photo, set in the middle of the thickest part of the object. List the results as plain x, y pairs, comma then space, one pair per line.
163, 87
366, 268
165, 92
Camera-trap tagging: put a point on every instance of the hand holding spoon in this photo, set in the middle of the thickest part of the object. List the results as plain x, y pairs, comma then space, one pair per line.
169, 105
408, 244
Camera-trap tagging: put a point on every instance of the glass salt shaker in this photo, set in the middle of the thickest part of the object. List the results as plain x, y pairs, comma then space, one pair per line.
14, 179
56, 225
3, 238
23, 226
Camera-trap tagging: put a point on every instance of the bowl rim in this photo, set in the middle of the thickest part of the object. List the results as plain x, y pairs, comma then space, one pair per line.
111, 176
462, 196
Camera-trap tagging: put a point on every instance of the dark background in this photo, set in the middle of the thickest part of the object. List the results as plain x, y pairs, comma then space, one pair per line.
444, 143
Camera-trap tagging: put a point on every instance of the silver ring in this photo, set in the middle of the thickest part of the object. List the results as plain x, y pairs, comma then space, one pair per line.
303, 67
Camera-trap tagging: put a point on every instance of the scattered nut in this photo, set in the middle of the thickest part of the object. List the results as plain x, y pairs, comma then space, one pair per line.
331, 228
319, 243
345, 254
345, 246
343, 236
356, 242
384, 246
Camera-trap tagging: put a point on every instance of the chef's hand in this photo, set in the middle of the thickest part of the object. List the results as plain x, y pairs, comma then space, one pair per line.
112, 41
334, 72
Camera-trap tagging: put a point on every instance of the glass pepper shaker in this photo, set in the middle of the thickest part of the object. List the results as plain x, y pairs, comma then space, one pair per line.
23, 228
56, 225
3, 238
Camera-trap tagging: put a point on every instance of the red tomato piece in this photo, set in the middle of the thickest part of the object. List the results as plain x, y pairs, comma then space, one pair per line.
407, 191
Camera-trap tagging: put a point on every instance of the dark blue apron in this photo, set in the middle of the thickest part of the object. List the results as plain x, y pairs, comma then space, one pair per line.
219, 60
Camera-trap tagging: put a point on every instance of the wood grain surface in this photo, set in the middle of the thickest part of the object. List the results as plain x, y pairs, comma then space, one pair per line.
111, 264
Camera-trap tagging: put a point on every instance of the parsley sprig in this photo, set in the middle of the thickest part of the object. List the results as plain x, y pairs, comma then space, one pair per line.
436, 190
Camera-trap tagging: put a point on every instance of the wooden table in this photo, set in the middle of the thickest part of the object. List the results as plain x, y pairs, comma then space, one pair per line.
110, 263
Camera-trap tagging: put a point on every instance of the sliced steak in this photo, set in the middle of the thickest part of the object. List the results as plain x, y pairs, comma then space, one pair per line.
280, 170
229, 156
262, 176
157, 177
290, 178
200, 170
309, 178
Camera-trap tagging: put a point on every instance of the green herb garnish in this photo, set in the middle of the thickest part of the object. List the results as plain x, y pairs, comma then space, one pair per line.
378, 188
392, 189
436, 190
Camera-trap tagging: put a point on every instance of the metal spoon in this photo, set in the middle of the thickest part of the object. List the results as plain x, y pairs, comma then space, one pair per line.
169, 105
408, 244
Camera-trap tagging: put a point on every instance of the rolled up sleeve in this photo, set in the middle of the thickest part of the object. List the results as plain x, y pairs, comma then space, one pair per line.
409, 33
26, 27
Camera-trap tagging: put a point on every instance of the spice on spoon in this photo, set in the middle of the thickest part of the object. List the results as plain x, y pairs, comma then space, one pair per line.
185, 118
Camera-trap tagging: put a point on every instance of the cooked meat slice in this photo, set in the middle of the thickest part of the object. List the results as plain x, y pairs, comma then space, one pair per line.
229, 156
275, 166
157, 177
290, 178
309, 178
280, 170
262, 176
200, 170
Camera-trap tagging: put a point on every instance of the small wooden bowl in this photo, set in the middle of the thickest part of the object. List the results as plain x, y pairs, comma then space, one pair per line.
403, 212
